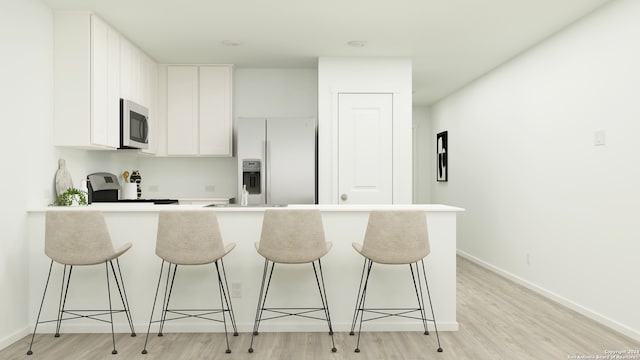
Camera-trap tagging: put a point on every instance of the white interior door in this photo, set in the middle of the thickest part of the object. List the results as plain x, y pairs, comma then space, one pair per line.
365, 149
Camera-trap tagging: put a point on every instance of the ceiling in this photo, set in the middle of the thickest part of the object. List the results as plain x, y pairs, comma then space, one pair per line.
451, 42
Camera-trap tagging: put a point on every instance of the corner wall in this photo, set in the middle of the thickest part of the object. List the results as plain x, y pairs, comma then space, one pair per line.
26, 70
423, 156
544, 205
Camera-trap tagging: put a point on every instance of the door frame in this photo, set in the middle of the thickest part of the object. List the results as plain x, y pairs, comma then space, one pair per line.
333, 156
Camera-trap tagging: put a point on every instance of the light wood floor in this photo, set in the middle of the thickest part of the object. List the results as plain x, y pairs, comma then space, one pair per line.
498, 320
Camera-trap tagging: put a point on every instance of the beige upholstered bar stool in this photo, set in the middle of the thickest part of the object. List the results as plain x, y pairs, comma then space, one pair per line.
292, 237
191, 237
395, 238
78, 238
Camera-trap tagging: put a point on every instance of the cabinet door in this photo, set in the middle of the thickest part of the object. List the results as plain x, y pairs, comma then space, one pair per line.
182, 110
131, 77
215, 111
125, 69
365, 151
105, 84
151, 99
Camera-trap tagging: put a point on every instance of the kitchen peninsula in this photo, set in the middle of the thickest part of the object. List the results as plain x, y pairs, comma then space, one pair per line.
343, 224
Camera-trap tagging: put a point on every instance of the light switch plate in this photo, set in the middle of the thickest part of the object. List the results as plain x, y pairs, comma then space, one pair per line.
599, 138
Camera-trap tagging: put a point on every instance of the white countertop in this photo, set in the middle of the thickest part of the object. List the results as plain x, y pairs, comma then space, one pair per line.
148, 207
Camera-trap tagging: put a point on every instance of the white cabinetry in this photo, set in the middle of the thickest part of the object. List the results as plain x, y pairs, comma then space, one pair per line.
199, 120
86, 81
150, 98
138, 83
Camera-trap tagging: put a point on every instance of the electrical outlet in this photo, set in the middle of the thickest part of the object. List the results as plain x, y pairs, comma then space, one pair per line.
210, 188
153, 188
528, 259
236, 290
599, 138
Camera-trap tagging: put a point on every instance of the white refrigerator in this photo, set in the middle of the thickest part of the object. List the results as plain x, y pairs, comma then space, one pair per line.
277, 160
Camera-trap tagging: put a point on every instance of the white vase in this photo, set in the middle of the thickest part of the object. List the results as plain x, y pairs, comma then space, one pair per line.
63, 178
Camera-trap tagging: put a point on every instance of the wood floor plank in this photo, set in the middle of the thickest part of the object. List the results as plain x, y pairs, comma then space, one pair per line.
498, 320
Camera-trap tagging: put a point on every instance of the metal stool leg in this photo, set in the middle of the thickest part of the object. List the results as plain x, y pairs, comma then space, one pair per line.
355, 310
364, 296
155, 298
227, 298
30, 352
419, 295
63, 300
113, 335
167, 297
262, 299
433, 316
123, 295
222, 303
325, 301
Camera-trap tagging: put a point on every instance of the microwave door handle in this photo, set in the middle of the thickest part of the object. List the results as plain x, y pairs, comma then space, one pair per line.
144, 127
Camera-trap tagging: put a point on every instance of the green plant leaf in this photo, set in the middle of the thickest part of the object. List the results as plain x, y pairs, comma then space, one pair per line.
67, 198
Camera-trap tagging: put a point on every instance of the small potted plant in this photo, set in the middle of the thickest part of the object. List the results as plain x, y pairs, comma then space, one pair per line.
71, 196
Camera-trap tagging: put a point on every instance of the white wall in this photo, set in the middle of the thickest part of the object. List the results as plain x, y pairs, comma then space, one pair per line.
257, 93
423, 156
543, 204
275, 93
26, 143
364, 75
26, 77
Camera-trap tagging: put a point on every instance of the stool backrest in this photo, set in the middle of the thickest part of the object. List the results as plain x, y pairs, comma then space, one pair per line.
189, 237
292, 236
77, 237
396, 237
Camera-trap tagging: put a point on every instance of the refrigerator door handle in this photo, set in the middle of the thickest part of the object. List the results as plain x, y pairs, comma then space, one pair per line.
267, 160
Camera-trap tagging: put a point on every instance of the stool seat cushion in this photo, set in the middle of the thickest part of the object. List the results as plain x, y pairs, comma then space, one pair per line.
79, 237
190, 237
292, 236
395, 237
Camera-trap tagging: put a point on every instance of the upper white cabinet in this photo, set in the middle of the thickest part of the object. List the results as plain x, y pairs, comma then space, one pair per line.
149, 92
86, 81
94, 67
139, 83
199, 119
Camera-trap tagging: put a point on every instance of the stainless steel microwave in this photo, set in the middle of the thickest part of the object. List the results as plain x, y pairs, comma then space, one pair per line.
134, 125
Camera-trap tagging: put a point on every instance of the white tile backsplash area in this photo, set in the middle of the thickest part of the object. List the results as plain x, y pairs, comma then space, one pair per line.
81, 163
187, 177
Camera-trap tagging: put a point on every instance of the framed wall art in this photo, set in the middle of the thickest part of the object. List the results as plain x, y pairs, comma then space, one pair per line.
442, 161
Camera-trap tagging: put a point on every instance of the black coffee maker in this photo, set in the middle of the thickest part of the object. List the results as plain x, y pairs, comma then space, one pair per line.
103, 187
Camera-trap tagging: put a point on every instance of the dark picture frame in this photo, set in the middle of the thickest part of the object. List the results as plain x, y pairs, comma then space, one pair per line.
442, 155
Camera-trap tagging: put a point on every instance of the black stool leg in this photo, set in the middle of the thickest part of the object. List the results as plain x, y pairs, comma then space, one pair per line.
419, 295
433, 316
155, 298
123, 295
113, 335
324, 300
262, 299
167, 298
355, 310
227, 298
222, 303
29, 352
362, 309
63, 300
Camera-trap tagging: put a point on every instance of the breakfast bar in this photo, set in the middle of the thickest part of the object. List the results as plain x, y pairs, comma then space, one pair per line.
343, 225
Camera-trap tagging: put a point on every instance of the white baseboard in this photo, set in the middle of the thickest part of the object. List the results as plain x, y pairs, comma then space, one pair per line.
610, 323
12, 338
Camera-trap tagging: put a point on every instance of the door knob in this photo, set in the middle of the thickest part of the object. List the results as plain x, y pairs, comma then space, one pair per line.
344, 197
